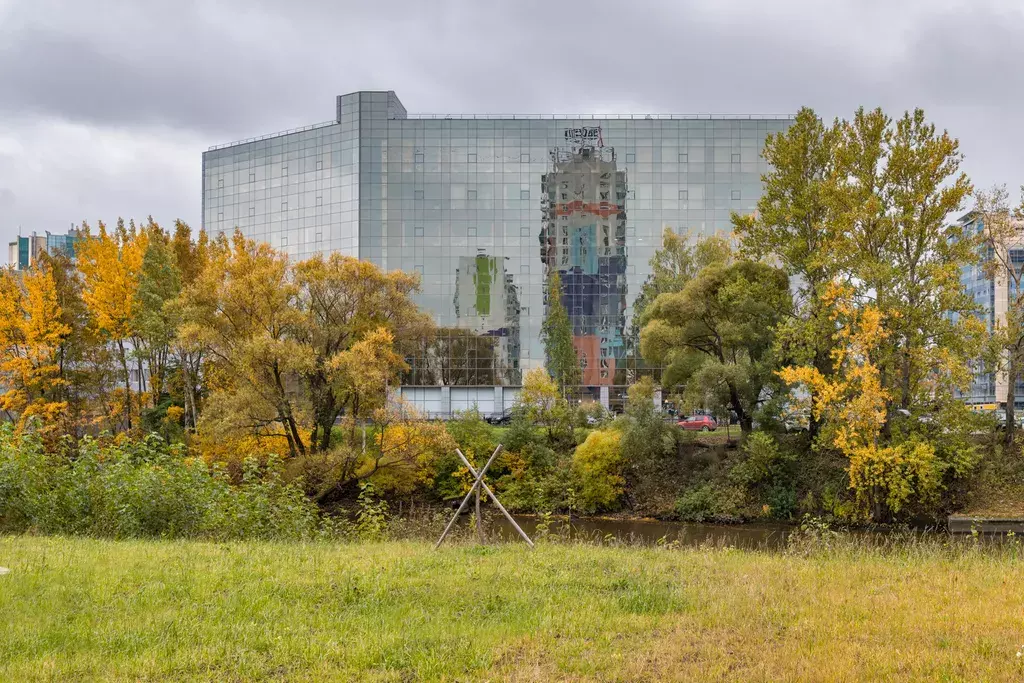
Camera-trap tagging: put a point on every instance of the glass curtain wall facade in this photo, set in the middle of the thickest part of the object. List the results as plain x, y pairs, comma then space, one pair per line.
486, 209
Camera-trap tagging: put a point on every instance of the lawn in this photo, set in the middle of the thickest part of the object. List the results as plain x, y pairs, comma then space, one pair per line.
77, 609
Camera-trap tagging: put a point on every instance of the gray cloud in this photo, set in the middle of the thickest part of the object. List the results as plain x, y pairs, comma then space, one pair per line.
107, 104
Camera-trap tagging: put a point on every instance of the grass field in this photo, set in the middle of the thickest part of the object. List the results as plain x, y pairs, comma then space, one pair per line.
76, 609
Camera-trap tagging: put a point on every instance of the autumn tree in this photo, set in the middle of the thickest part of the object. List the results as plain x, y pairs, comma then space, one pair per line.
82, 359
886, 475
345, 302
1002, 234
191, 257
556, 331
31, 334
242, 309
716, 335
111, 266
156, 320
901, 182
795, 225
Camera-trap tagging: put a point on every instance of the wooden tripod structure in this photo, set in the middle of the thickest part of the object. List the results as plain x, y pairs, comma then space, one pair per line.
478, 484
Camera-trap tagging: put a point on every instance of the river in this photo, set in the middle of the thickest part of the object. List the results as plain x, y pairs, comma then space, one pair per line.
650, 532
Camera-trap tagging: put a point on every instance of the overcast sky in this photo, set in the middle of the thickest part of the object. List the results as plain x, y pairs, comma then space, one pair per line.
107, 105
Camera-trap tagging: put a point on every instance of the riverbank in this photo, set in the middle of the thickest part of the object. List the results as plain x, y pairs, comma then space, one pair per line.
79, 609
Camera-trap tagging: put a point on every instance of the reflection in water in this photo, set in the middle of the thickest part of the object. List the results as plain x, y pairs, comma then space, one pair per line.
649, 532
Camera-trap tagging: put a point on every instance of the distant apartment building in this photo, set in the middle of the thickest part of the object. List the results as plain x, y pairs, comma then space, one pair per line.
23, 252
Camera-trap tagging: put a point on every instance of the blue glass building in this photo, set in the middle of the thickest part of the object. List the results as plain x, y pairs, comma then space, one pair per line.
486, 208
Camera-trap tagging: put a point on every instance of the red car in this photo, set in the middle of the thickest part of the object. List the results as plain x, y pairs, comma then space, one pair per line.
702, 423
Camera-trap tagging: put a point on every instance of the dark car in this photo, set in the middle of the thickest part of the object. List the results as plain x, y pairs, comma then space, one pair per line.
500, 419
699, 423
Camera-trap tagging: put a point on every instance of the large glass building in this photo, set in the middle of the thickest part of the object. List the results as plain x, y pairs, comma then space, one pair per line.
487, 209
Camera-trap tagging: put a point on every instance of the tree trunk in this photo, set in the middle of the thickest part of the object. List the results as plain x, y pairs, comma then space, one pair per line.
746, 421
1011, 395
127, 384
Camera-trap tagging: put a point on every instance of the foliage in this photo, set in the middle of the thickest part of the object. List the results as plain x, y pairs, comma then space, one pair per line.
710, 501
598, 466
111, 267
31, 333
716, 335
999, 230
883, 477
557, 334
142, 489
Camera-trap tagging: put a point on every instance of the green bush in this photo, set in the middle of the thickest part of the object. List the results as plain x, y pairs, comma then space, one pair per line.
143, 488
710, 502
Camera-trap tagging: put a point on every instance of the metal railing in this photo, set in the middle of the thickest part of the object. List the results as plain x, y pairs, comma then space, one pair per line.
613, 117
273, 135
535, 117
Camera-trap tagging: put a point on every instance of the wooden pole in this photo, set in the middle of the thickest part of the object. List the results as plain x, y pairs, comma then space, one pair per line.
494, 498
472, 490
479, 522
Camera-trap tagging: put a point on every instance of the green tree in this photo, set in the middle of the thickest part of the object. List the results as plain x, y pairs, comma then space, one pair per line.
556, 331
156, 322
716, 336
796, 225
1002, 235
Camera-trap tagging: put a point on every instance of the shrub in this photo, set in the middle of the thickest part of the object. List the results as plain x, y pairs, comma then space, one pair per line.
143, 488
598, 467
710, 501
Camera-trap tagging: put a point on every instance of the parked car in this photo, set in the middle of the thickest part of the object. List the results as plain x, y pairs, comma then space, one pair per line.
500, 419
698, 423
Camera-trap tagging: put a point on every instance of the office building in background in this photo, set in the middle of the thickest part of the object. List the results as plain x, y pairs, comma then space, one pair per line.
24, 251
486, 209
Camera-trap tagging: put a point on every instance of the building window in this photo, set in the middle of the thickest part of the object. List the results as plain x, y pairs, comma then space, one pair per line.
524, 194
319, 201
419, 269
524, 269
630, 231
284, 170
220, 182
524, 158
470, 194
524, 231
630, 158
471, 157
319, 165
683, 157
318, 236
418, 157
631, 194
418, 194
735, 158
418, 231
471, 231
252, 210
284, 206
684, 194
220, 216
735, 194
252, 177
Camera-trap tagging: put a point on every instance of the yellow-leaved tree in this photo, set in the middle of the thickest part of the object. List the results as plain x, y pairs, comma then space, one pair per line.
31, 332
111, 266
851, 403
